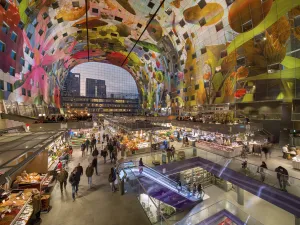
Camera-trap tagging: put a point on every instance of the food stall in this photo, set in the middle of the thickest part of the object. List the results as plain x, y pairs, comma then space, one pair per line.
15, 207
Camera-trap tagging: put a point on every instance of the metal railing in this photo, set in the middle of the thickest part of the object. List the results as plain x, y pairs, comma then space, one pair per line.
266, 176
218, 207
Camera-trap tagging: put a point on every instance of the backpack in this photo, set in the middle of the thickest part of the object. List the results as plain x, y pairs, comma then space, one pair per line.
110, 178
71, 179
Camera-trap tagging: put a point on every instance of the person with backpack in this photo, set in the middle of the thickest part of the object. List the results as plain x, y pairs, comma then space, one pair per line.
95, 164
73, 179
112, 178
89, 173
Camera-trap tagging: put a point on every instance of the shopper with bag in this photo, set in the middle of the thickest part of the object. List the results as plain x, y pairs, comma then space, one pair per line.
112, 178
261, 170
283, 177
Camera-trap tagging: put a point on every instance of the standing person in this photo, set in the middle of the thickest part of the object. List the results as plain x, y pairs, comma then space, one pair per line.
87, 143
95, 152
261, 170
62, 178
103, 136
82, 147
169, 154
194, 188
95, 165
89, 173
200, 190
179, 187
141, 165
36, 205
172, 152
74, 181
112, 178
265, 150
107, 138
79, 170
282, 176
99, 141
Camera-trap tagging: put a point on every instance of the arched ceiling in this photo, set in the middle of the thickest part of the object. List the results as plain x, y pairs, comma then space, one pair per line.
167, 45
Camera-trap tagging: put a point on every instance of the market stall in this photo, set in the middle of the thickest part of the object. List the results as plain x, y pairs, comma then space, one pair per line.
15, 207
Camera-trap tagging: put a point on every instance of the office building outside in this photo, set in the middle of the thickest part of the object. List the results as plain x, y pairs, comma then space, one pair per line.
95, 88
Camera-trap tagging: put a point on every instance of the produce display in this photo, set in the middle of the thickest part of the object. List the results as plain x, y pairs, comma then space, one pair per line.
216, 146
135, 143
30, 178
14, 210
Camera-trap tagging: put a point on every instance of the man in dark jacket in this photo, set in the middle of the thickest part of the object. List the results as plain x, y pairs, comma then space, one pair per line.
74, 181
79, 171
95, 153
95, 165
93, 143
62, 178
89, 173
282, 176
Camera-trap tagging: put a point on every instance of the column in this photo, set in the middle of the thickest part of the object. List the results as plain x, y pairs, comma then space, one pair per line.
297, 220
240, 195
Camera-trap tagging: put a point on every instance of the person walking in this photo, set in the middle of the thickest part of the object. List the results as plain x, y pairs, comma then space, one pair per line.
172, 152
200, 190
169, 154
283, 177
95, 164
261, 170
110, 150
74, 181
103, 136
104, 154
95, 152
141, 165
93, 144
89, 173
87, 143
112, 178
82, 148
265, 150
62, 178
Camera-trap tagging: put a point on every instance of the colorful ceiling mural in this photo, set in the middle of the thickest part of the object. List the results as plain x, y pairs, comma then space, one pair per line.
181, 53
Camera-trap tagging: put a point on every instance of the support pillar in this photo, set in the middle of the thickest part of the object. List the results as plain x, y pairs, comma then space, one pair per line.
240, 195
297, 220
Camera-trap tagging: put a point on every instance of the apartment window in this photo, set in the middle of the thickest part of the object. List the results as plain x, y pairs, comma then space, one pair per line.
186, 98
49, 24
184, 89
2, 46
45, 15
202, 22
31, 55
29, 35
5, 28
29, 67
197, 87
35, 23
12, 71
247, 26
203, 50
182, 23
29, 93
1, 84
95, 10
23, 91
60, 20
43, 76
55, 5
26, 50
192, 97
22, 61
41, 32
229, 2
14, 36
151, 5
202, 3
21, 25
9, 87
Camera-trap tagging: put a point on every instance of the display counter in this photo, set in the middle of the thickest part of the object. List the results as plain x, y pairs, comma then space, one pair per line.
226, 151
15, 208
296, 162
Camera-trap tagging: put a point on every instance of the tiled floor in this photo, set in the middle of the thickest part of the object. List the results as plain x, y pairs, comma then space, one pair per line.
96, 206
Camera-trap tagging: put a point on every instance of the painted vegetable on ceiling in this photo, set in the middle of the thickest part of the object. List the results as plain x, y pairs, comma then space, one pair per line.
244, 12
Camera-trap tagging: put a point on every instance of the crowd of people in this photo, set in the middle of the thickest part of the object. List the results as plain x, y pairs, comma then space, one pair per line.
108, 146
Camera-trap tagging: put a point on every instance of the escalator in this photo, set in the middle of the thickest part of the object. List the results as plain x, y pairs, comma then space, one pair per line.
164, 189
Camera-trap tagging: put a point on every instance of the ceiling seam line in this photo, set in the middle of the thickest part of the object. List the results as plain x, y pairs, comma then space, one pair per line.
87, 29
153, 16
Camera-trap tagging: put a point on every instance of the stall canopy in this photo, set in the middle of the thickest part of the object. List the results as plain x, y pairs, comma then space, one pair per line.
18, 149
